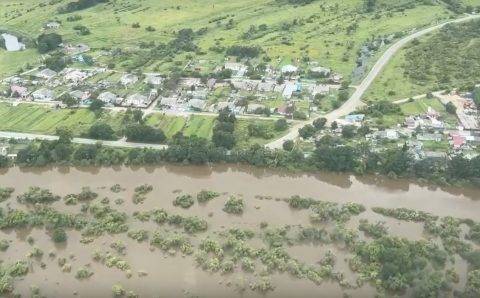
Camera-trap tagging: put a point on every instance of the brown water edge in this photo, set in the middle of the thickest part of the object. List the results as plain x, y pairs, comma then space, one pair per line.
177, 276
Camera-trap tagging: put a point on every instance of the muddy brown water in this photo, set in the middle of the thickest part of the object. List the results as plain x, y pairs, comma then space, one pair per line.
178, 276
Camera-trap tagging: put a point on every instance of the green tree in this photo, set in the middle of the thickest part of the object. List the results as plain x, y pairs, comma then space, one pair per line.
101, 131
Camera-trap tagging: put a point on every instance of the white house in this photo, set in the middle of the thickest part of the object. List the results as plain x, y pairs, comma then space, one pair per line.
46, 74
289, 68
136, 100
238, 69
197, 104
107, 97
321, 71
76, 76
43, 94
52, 25
153, 79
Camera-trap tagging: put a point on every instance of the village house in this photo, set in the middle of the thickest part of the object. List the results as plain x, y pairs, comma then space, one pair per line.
224, 105
154, 79
197, 104
168, 102
318, 89
80, 95
290, 88
211, 83
189, 83
77, 49
336, 78
136, 100
52, 25
18, 91
289, 69
244, 85
46, 74
238, 69
107, 97
320, 71
43, 95
128, 79
75, 76
267, 86
434, 137
355, 118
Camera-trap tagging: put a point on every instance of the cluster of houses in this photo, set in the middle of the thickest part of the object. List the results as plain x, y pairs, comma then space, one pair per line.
191, 93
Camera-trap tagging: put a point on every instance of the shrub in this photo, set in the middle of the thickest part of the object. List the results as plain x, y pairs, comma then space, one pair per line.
6, 193
59, 235
83, 273
184, 201
234, 206
205, 196
36, 195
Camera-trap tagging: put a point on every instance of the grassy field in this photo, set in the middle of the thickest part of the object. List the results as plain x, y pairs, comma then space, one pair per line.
200, 126
329, 33
446, 59
43, 120
243, 138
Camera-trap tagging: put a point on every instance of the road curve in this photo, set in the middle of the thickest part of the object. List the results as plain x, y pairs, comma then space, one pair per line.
355, 100
120, 143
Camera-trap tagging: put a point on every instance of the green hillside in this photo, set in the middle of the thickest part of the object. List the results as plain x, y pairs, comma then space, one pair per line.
148, 35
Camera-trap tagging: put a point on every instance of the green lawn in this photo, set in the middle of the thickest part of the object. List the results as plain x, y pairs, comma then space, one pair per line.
201, 126
37, 119
169, 124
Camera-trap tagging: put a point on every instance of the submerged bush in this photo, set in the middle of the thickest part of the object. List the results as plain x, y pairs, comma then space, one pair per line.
6, 193
36, 195
83, 273
184, 201
205, 196
234, 206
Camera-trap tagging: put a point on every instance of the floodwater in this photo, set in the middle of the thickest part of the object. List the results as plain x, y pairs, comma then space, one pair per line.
11, 43
178, 276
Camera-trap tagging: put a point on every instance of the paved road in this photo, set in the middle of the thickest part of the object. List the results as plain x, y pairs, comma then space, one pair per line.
355, 100
120, 143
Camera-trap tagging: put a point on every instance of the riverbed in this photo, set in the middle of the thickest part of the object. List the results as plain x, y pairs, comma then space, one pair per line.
262, 190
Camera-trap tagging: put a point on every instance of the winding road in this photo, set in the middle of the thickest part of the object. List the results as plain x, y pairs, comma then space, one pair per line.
355, 100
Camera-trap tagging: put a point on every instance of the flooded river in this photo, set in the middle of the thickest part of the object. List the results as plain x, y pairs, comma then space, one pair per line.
178, 276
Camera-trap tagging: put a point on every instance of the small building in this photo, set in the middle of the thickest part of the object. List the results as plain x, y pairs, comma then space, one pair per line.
80, 95
238, 69
211, 83
46, 74
190, 82
321, 71
136, 100
77, 49
288, 69
154, 79
43, 95
76, 76
18, 91
319, 89
290, 88
336, 78
107, 97
168, 102
356, 118
434, 137
197, 104
128, 79
267, 86
52, 25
